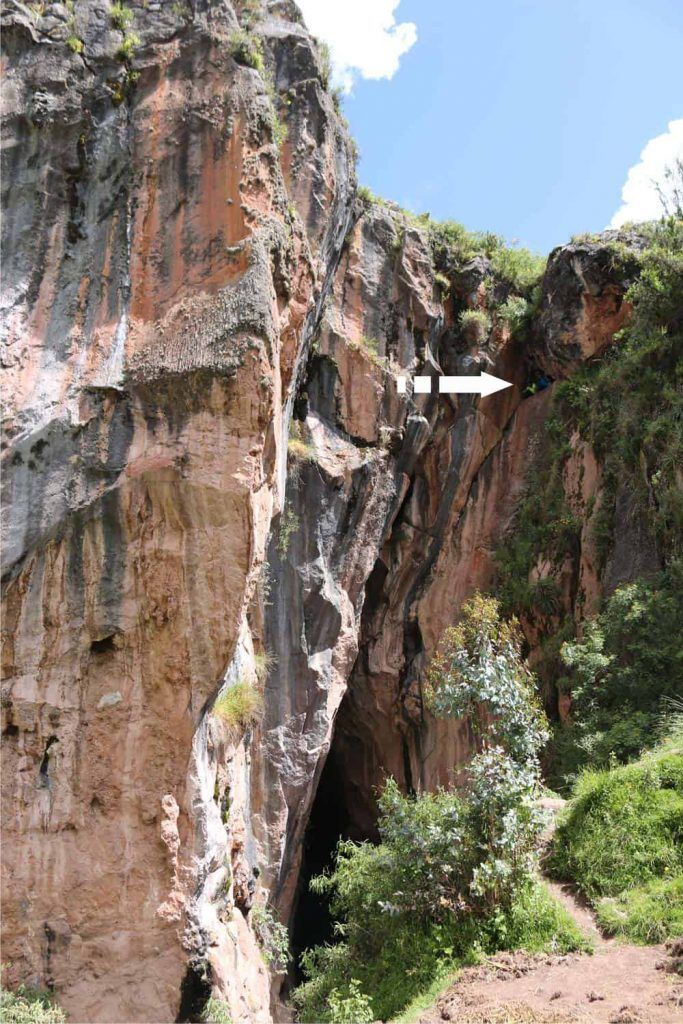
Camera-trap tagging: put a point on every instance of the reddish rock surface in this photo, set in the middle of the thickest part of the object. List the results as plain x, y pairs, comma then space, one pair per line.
178, 288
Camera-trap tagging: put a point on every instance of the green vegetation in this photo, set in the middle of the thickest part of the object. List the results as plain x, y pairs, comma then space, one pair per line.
325, 63
121, 16
369, 347
453, 245
297, 447
519, 268
366, 196
514, 312
126, 50
476, 320
544, 525
75, 44
29, 1006
629, 405
629, 658
443, 285
651, 913
376, 945
621, 842
272, 936
240, 705
263, 663
288, 526
355, 1008
216, 1012
279, 130
247, 49
453, 875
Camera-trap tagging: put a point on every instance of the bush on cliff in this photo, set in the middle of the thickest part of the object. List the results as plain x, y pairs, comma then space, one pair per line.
453, 873
453, 246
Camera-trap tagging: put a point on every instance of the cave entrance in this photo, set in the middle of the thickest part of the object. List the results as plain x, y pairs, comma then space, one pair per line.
333, 817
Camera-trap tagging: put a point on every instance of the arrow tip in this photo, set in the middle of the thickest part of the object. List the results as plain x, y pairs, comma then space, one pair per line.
491, 384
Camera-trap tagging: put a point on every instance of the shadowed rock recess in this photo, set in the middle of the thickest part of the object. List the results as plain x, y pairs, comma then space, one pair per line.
191, 288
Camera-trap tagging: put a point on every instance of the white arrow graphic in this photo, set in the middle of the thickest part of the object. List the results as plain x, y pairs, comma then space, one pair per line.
484, 384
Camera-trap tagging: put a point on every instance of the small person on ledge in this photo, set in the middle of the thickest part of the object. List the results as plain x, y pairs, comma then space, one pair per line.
536, 385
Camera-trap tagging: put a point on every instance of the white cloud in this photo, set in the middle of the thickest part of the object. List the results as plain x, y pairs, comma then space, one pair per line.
363, 36
639, 198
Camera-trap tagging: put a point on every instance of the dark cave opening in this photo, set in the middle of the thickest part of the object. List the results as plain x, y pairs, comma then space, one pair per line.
194, 993
331, 820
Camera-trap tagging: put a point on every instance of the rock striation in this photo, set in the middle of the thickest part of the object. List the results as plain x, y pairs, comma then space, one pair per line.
191, 281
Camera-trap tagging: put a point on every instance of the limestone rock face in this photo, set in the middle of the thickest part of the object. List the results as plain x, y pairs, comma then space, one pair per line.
188, 277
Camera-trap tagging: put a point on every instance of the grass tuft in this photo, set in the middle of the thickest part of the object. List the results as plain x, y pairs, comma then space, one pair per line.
239, 706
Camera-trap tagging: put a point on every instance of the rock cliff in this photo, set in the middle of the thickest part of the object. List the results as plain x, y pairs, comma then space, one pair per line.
212, 481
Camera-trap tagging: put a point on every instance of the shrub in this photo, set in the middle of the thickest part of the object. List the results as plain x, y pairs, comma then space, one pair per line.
216, 1012
518, 267
514, 312
29, 1006
279, 131
288, 526
443, 284
272, 936
325, 63
240, 705
366, 196
353, 1008
121, 16
629, 659
246, 49
369, 347
126, 50
376, 955
453, 245
475, 320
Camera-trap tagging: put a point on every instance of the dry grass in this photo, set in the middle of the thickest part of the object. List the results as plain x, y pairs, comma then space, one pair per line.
263, 663
297, 446
512, 1013
240, 706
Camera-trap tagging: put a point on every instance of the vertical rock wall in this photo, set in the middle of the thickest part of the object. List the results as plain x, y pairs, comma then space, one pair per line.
162, 279
181, 280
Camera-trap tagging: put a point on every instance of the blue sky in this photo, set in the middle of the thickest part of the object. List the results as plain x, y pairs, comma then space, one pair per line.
517, 116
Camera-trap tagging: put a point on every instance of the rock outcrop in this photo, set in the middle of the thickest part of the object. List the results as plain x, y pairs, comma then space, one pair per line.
188, 272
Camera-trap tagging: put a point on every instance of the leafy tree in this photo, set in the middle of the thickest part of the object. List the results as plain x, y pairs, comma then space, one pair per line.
629, 659
479, 673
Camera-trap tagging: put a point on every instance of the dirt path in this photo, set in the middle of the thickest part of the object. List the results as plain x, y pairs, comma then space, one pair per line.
617, 984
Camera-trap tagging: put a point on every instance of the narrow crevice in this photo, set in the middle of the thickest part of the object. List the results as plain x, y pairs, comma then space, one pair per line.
195, 990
